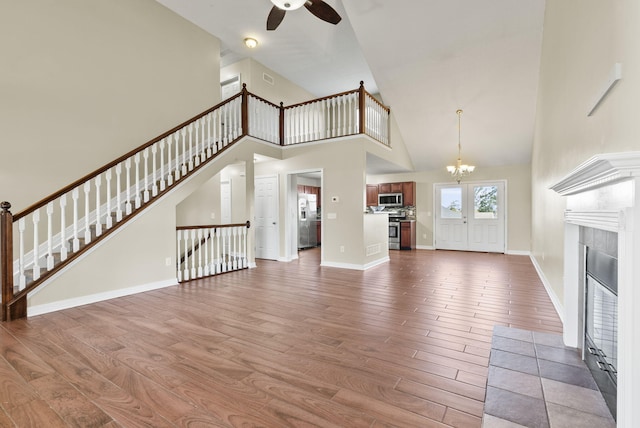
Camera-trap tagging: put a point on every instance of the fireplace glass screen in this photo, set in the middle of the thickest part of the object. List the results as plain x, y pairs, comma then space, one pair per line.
602, 322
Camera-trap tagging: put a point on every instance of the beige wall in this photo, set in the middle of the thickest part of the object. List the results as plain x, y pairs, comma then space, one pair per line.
582, 41
282, 90
85, 81
342, 164
517, 177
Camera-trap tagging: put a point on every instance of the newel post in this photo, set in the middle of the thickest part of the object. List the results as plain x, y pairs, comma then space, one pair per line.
361, 102
281, 124
6, 252
245, 110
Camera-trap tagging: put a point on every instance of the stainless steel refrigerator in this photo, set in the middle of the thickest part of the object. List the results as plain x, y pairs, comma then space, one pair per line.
307, 211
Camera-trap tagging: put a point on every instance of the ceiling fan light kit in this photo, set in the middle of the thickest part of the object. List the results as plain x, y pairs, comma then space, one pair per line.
318, 8
460, 170
289, 4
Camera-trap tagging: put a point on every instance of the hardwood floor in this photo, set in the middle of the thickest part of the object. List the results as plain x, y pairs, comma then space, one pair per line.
404, 344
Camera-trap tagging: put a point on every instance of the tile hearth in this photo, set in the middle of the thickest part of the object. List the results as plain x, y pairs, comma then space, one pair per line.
535, 381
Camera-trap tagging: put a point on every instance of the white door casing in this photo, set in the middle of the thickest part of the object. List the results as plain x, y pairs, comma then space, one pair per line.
266, 217
470, 216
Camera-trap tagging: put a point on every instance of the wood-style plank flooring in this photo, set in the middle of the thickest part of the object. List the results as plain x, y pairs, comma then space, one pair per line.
404, 344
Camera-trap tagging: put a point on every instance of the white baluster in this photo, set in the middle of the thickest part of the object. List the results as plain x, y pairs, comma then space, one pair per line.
75, 194
185, 154
216, 129
169, 176
138, 199
223, 249
200, 244
145, 156
36, 248
63, 227
212, 254
118, 193
235, 248
245, 255
193, 253
185, 271
50, 236
205, 244
228, 247
22, 282
219, 254
163, 183
109, 217
87, 229
191, 151
179, 262
154, 169
200, 137
208, 119
98, 183
177, 170
127, 169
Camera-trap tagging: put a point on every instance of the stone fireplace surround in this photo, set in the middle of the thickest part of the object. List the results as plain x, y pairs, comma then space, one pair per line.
603, 193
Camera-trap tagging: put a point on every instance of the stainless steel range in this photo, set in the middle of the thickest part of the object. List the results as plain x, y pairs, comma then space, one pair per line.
394, 228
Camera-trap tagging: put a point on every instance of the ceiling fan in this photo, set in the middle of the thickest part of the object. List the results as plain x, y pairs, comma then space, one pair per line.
318, 7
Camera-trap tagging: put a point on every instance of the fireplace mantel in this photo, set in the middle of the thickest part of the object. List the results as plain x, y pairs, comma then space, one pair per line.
603, 193
598, 171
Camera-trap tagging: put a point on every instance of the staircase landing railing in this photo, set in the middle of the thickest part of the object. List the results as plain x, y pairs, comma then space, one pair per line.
47, 236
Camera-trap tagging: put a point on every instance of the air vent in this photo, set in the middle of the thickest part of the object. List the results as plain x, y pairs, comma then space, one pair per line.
267, 78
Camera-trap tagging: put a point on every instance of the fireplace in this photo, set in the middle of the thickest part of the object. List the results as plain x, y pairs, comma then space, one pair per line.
600, 312
601, 305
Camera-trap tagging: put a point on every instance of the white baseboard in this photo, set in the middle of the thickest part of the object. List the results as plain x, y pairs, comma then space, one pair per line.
518, 253
425, 247
354, 266
547, 286
98, 297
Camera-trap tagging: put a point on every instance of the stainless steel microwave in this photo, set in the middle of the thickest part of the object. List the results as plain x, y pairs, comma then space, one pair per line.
390, 199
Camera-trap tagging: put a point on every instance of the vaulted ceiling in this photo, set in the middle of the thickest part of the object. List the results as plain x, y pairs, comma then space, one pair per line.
426, 58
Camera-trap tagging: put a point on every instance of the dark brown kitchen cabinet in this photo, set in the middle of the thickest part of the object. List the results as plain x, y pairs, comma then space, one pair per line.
384, 188
372, 194
409, 193
396, 187
407, 235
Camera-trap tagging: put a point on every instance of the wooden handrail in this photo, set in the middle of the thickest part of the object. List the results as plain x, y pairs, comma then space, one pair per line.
328, 97
387, 109
209, 226
113, 163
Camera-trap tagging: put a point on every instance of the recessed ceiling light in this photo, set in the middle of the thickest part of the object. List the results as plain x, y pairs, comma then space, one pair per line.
250, 42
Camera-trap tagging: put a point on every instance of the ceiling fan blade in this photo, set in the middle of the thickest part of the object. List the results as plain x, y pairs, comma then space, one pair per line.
275, 18
323, 11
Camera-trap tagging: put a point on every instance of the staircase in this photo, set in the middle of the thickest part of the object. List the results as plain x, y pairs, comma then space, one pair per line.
55, 231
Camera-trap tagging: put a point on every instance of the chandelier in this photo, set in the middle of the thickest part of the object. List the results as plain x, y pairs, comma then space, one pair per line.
460, 170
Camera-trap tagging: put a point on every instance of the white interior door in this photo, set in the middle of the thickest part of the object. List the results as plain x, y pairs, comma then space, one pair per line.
470, 217
225, 202
266, 223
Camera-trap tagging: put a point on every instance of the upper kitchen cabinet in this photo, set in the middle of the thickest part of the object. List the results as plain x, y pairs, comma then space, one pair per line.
407, 188
390, 188
409, 193
372, 194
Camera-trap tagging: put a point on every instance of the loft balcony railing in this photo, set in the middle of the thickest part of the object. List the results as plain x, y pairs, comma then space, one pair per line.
47, 236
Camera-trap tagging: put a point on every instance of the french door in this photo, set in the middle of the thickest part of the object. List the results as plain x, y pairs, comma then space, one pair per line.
470, 216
